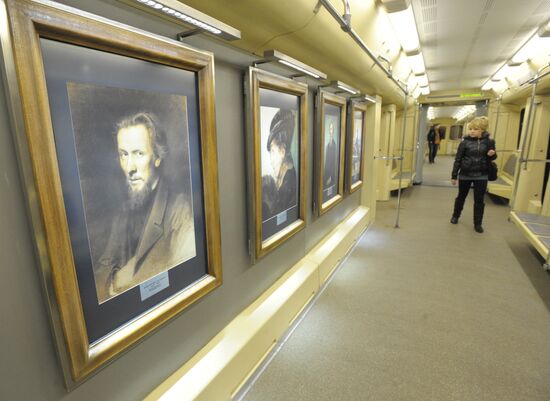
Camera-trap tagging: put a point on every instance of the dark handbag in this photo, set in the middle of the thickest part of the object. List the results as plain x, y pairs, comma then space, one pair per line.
492, 170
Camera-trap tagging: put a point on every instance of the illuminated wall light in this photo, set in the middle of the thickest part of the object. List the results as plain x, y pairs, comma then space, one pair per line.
291, 65
275, 55
174, 9
368, 98
353, 92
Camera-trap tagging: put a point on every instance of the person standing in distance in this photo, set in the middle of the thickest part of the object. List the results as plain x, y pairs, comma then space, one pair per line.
470, 168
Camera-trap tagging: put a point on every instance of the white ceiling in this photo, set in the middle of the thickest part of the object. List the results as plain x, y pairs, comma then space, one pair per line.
465, 41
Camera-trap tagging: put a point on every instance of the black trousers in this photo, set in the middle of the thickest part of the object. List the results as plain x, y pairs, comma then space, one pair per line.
432, 151
480, 186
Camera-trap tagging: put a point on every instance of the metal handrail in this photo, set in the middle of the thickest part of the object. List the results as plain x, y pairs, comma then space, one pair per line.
498, 116
346, 27
535, 160
389, 157
534, 81
403, 131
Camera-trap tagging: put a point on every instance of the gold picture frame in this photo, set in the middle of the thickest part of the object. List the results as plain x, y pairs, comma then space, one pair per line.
331, 115
276, 119
355, 144
30, 26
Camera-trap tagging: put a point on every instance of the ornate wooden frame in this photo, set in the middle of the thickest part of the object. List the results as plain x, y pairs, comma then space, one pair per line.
353, 107
323, 98
255, 80
28, 21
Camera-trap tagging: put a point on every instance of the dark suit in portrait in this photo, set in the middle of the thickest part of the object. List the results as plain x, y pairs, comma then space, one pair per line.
330, 172
154, 230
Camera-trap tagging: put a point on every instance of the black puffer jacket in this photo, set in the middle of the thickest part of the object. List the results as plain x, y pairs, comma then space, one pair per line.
471, 157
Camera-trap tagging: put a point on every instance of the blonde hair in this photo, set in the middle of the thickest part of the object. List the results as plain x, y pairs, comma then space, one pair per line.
481, 123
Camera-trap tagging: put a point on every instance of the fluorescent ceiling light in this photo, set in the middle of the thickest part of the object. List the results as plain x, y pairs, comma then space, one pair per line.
425, 90
274, 55
537, 45
532, 47
487, 85
422, 80
502, 73
500, 86
176, 11
464, 112
344, 87
416, 92
416, 62
404, 26
411, 82
431, 113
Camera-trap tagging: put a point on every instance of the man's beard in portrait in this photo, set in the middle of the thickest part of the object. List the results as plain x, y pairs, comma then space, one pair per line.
138, 199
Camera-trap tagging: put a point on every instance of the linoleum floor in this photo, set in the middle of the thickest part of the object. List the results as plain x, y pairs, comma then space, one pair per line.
428, 311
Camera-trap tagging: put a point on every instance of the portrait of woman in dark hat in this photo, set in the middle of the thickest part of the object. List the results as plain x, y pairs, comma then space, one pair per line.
280, 186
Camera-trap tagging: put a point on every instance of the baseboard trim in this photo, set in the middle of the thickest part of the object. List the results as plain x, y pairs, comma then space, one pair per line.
218, 371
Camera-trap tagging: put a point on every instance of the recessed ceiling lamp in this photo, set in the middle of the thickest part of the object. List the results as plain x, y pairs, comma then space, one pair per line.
422, 80
178, 12
416, 62
538, 43
401, 16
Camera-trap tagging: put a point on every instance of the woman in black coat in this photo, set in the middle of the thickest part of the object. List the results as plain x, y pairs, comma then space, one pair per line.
470, 168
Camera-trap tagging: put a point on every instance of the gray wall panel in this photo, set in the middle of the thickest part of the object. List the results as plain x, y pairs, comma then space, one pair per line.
30, 369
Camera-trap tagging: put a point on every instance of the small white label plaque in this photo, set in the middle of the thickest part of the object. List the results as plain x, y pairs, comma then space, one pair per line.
154, 286
281, 218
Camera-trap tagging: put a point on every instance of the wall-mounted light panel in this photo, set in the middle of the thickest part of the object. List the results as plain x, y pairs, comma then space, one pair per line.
342, 86
277, 56
178, 12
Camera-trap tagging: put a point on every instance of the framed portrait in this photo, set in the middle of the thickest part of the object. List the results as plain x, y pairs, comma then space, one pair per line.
331, 123
355, 140
116, 133
276, 147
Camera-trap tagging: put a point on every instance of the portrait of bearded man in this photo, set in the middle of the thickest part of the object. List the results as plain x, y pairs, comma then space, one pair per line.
153, 230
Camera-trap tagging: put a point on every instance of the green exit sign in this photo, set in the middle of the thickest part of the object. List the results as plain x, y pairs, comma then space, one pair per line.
471, 94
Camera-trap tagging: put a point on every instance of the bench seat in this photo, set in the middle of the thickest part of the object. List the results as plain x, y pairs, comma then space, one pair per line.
503, 185
536, 229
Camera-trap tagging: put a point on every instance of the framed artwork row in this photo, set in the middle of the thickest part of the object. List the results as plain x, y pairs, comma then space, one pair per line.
276, 154
116, 134
118, 148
